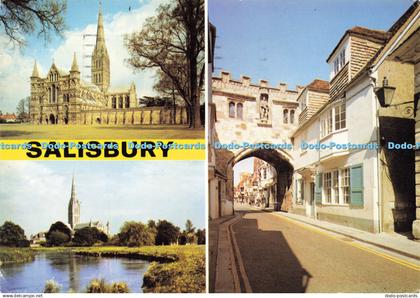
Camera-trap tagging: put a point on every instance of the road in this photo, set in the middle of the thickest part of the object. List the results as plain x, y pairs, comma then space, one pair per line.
279, 255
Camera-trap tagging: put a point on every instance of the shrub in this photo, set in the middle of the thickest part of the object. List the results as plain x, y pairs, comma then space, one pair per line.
100, 286
57, 238
135, 234
89, 236
51, 286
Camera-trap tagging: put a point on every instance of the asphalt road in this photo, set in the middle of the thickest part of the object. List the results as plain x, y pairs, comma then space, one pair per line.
280, 256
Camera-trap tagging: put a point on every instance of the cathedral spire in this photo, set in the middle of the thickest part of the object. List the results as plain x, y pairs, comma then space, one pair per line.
100, 35
74, 66
35, 73
100, 70
74, 206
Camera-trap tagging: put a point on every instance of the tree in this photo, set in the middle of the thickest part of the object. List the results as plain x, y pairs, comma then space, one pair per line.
201, 236
19, 17
173, 42
56, 238
183, 238
22, 109
58, 234
135, 234
167, 233
11, 234
88, 236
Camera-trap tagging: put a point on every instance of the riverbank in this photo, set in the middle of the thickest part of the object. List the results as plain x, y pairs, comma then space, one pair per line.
176, 268
15, 255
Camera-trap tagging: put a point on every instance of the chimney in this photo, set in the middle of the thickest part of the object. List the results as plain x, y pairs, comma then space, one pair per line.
264, 83
225, 76
245, 80
282, 86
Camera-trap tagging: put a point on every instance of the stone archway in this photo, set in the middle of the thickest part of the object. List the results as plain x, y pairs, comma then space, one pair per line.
280, 160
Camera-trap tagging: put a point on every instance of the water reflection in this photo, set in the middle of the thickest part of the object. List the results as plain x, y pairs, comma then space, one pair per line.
72, 272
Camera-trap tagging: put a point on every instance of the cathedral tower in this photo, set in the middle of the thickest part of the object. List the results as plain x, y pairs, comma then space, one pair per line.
74, 207
100, 70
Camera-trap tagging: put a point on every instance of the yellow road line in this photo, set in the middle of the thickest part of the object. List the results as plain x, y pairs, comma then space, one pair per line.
356, 245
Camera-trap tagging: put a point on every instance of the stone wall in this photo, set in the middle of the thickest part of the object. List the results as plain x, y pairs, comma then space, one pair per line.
144, 116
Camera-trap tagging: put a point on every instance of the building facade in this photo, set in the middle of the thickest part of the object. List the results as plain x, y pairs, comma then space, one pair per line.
62, 97
247, 113
364, 184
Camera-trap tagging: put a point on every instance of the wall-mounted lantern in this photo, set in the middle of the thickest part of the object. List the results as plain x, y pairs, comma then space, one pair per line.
385, 93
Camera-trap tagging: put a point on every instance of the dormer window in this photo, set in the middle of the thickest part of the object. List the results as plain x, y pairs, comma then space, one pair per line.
339, 62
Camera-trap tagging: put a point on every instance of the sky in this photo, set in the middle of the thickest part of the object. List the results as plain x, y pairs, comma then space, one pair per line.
81, 18
290, 40
35, 194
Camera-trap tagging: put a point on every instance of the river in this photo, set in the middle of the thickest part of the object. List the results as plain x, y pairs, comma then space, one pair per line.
72, 272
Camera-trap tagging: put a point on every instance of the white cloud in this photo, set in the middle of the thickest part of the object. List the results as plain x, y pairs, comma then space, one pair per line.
16, 68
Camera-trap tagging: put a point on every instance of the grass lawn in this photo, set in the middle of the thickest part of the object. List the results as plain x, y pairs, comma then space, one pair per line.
181, 268
34, 132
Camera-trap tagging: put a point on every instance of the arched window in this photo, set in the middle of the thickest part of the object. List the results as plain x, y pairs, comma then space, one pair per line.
127, 101
239, 110
285, 116
292, 116
114, 102
232, 110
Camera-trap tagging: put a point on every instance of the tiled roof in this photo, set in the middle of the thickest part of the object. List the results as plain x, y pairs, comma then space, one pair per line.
319, 85
374, 35
8, 117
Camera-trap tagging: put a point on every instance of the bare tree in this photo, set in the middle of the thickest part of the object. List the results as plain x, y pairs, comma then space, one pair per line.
22, 109
173, 42
19, 17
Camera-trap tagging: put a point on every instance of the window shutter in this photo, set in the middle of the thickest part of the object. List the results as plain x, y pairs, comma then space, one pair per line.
356, 185
318, 189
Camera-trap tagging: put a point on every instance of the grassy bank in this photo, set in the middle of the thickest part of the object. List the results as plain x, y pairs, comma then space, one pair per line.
175, 269
15, 255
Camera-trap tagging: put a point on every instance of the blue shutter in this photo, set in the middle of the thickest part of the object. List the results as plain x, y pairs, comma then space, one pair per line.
356, 185
318, 189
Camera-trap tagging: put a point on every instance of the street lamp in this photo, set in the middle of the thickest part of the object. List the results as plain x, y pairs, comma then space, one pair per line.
385, 93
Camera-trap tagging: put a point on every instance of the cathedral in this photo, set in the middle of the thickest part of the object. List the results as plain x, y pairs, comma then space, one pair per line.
74, 214
62, 97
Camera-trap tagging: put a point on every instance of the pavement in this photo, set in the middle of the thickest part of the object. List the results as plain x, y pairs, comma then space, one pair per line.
276, 252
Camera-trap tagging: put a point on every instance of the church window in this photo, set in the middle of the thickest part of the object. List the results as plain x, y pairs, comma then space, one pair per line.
120, 102
127, 101
239, 110
285, 116
232, 109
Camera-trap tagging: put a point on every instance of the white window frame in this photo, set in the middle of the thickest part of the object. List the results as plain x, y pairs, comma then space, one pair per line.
335, 186
299, 191
333, 120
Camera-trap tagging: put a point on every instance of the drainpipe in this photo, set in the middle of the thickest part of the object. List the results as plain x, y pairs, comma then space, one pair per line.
378, 154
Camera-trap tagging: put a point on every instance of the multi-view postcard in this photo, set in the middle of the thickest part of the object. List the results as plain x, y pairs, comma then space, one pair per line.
210, 147
102, 150
313, 147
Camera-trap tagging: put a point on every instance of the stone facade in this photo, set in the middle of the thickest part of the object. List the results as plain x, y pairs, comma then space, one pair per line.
62, 97
252, 113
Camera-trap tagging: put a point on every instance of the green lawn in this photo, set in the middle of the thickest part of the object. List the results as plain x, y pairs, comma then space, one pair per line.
34, 132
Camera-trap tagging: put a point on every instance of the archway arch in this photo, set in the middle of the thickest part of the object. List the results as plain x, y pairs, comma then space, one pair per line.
52, 119
281, 160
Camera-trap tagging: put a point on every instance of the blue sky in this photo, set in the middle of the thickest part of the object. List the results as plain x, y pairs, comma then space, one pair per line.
289, 40
81, 18
34, 194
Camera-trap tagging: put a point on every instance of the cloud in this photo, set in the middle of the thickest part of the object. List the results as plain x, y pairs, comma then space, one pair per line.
16, 68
